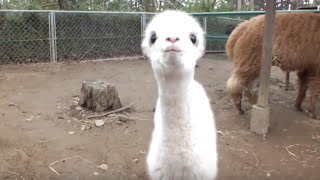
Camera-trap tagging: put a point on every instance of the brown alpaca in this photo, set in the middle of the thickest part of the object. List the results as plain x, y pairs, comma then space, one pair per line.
242, 27
295, 48
237, 33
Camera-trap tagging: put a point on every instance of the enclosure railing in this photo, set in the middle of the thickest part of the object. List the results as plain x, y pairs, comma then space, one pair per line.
44, 36
218, 25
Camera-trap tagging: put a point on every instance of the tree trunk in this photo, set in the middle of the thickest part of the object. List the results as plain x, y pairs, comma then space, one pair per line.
155, 4
252, 7
63, 5
99, 96
214, 4
287, 4
294, 4
239, 5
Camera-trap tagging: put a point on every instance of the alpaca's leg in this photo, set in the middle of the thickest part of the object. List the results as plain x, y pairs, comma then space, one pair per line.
237, 96
312, 106
234, 87
302, 89
301, 95
241, 112
252, 96
287, 81
237, 99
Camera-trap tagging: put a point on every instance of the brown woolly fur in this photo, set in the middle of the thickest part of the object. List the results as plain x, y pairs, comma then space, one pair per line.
313, 84
296, 47
235, 34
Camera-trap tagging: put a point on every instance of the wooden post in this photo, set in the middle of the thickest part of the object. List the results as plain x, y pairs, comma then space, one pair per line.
261, 111
266, 59
286, 88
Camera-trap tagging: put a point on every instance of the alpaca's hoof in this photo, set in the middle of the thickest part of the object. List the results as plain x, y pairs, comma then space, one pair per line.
238, 106
298, 108
310, 114
241, 112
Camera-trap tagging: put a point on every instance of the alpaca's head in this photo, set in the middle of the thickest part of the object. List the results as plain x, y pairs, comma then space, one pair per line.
173, 40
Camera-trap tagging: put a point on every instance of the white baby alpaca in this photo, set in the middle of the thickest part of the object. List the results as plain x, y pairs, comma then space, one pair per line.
183, 144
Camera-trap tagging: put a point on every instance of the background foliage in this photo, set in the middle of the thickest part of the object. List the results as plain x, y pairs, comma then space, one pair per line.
25, 37
151, 5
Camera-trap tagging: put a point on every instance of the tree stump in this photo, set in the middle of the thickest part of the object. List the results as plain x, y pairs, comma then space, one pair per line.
99, 96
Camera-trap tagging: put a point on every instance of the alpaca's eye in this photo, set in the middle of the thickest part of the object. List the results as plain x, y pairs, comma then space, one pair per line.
193, 38
153, 38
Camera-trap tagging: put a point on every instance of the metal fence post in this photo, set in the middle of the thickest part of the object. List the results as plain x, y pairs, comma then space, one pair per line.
143, 25
52, 36
49, 38
204, 22
204, 26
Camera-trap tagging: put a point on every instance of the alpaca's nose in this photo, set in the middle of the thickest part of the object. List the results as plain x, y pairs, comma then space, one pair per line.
172, 39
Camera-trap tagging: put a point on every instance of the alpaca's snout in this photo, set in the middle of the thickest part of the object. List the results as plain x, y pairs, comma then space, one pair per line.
172, 39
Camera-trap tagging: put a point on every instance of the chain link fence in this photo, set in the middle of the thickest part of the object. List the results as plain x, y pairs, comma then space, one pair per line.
24, 37
218, 27
97, 36
44, 36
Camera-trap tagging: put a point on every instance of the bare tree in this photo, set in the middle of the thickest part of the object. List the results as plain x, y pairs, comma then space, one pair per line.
252, 5
213, 3
239, 5
63, 4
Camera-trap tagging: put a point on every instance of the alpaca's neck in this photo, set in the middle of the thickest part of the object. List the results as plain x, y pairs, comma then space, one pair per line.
175, 98
174, 85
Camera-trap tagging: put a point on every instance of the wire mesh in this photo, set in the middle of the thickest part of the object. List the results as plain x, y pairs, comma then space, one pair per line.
24, 37
42, 36
218, 27
97, 36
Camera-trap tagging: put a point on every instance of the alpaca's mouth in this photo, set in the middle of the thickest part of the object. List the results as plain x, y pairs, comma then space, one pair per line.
172, 50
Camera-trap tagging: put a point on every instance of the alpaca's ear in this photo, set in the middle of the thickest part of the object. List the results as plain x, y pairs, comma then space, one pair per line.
145, 47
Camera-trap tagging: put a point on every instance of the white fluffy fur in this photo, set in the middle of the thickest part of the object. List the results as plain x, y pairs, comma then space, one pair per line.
183, 144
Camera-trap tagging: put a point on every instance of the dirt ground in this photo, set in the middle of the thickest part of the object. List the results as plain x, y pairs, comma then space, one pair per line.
43, 135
